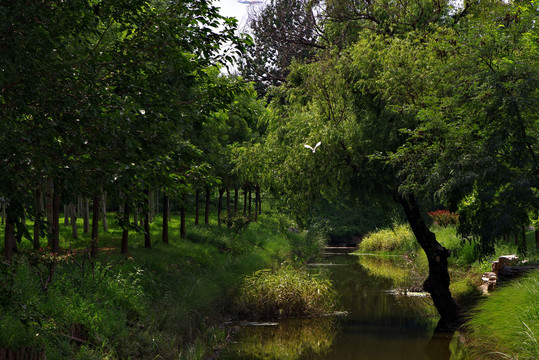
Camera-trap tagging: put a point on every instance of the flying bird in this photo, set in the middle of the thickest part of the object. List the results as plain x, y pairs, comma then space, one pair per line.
313, 149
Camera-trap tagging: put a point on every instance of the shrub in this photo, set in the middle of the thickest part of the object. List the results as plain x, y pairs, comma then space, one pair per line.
285, 292
398, 239
444, 218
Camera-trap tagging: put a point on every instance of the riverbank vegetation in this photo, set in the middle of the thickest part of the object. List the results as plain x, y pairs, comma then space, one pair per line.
167, 301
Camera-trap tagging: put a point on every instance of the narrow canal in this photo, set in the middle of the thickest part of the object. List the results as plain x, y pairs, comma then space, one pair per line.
379, 324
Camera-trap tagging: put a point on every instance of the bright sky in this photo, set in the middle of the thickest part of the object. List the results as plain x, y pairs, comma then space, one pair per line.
233, 8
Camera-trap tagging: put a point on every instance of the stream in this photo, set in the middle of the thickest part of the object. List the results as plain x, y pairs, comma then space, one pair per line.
379, 324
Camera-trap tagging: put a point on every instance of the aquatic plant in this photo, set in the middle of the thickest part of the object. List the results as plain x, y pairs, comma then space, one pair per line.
285, 292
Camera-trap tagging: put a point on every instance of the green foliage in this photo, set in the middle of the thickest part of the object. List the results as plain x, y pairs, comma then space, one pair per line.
399, 239
285, 292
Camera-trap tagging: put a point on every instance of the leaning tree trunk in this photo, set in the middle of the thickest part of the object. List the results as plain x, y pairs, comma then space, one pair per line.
437, 282
95, 225
165, 218
536, 239
125, 232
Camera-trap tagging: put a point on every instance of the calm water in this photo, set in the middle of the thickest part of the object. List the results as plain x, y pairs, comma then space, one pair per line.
379, 325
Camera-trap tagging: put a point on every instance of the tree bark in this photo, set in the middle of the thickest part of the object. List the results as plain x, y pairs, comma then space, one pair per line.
55, 245
437, 282
104, 212
74, 230
235, 201
9, 235
125, 231
147, 237
95, 225
86, 216
197, 207
37, 217
49, 212
228, 202
245, 200
183, 233
536, 239
516, 238
250, 203
259, 200
207, 209
220, 206
165, 218
66, 214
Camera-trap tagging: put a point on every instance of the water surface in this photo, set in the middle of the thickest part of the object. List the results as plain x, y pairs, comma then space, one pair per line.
379, 325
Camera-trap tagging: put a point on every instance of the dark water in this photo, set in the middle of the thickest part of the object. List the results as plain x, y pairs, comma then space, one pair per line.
379, 325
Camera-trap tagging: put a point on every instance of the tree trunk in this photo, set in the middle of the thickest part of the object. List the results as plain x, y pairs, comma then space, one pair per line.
228, 202
66, 214
3, 214
49, 212
37, 217
95, 225
151, 205
220, 206
235, 201
183, 233
516, 239
73, 211
9, 234
437, 282
259, 200
250, 203
197, 195
207, 209
55, 245
86, 216
135, 216
165, 218
536, 239
147, 237
245, 200
125, 231
104, 211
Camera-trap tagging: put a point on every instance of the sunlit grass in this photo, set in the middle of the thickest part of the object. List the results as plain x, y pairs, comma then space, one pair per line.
507, 322
396, 240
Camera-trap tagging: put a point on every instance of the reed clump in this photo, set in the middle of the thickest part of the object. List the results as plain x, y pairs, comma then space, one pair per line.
398, 240
285, 292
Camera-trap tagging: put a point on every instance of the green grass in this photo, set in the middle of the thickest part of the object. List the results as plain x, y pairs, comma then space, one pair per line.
396, 240
166, 301
285, 292
506, 324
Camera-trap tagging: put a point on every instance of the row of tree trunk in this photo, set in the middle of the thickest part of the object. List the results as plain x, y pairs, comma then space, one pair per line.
47, 202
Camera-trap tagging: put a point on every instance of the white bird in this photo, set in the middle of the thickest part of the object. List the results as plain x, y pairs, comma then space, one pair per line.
313, 149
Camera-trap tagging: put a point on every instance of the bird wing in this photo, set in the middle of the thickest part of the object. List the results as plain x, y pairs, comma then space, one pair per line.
308, 147
317, 145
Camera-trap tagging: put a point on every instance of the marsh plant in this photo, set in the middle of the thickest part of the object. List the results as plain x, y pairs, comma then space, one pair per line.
285, 292
398, 239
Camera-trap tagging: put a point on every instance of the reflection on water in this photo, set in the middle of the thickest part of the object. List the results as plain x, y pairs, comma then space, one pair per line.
379, 325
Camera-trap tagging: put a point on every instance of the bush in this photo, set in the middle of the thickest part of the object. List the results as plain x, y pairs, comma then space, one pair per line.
285, 292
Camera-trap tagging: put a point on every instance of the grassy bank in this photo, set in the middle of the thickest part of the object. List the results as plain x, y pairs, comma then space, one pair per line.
504, 325
161, 303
